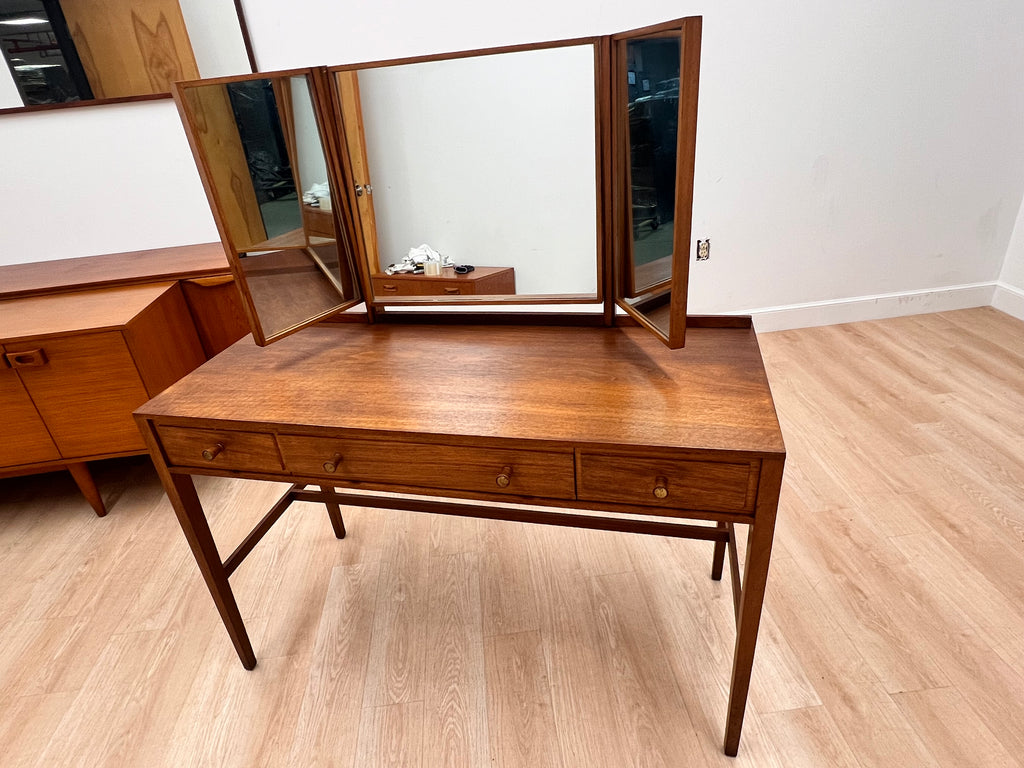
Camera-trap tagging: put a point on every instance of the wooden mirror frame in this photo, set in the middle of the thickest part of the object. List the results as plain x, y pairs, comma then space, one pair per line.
661, 307
233, 183
662, 311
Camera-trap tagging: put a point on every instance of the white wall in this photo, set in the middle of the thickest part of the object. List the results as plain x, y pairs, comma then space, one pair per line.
845, 150
1009, 292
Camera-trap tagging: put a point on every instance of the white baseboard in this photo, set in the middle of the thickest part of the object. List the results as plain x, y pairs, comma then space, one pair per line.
1009, 300
885, 305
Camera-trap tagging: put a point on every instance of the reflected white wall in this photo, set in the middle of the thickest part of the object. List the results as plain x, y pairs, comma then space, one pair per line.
489, 160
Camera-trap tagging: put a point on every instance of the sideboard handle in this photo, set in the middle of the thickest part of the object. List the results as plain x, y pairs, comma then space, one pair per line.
660, 488
30, 358
504, 478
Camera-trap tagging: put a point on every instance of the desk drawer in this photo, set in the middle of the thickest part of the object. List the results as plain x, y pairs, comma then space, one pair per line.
479, 470
223, 449
699, 485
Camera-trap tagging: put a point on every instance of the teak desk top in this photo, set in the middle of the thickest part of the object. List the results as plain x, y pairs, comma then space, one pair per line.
563, 419
595, 385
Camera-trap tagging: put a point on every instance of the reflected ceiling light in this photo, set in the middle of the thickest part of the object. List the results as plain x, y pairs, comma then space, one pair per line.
24, 21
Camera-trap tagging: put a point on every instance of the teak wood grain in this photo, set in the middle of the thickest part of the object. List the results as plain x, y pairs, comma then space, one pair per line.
531, 415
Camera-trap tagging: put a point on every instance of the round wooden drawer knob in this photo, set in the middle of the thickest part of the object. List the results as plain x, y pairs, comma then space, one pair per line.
332, 465
660, 488
504, 478
212, 453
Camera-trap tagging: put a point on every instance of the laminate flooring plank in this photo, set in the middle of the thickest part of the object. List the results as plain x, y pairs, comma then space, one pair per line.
649, 710
455, 696
391, 737
581, 687
519, 711
28, 725
327, 730
863, 712
955, 734
399, 644
507, 593
808, 738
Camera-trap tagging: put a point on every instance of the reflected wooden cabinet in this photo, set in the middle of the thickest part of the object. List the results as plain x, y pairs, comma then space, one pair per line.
481, 281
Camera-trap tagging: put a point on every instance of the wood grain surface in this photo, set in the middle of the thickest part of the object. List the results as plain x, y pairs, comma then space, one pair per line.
562, 385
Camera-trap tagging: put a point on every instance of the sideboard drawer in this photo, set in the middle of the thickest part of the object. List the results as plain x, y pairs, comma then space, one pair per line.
681, 484
479, 470
222, 448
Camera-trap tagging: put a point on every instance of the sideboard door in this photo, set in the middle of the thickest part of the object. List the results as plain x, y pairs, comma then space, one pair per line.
24, 438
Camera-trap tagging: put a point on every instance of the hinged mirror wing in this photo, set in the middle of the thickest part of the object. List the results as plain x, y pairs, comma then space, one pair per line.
268, 161
656, 72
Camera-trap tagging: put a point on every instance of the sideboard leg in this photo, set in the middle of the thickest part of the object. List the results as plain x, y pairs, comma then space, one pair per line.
84, 480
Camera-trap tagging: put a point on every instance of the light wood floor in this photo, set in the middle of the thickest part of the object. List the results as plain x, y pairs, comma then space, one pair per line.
893, 632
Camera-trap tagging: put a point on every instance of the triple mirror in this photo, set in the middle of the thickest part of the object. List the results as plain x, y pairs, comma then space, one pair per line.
547, 174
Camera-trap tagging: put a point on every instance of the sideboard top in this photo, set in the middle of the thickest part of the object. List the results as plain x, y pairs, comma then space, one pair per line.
131, 267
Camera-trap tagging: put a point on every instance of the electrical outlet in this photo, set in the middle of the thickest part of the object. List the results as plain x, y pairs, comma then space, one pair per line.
704, 249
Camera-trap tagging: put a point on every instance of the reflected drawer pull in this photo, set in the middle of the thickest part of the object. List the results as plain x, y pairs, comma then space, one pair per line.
660, 488
30, 358
504, 478
332, 465
390, 287
212, 453
452, 289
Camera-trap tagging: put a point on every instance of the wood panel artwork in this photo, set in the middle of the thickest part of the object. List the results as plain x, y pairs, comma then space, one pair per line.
130, 48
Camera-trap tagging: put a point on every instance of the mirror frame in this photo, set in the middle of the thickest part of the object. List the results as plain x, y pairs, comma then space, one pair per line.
243, 29
661, 311
317, 79
642, 303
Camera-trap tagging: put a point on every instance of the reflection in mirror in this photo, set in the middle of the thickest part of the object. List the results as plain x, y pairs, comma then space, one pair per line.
265, 166
653, 107
491, 161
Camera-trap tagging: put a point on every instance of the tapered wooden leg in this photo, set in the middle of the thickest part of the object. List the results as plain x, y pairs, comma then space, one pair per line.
182, 493
718, 559
83, 479
755, 577
334, 512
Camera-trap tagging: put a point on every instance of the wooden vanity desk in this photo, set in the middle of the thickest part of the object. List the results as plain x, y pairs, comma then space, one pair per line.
622, 425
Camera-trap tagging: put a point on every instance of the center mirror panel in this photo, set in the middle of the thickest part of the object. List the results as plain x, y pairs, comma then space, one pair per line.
260, 149
489, 160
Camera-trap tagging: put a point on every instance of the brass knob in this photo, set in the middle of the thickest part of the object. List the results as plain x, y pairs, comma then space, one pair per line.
332, 465
504, 478
212, 453
660, 488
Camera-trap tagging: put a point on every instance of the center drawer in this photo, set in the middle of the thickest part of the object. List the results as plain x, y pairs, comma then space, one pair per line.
547, 474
